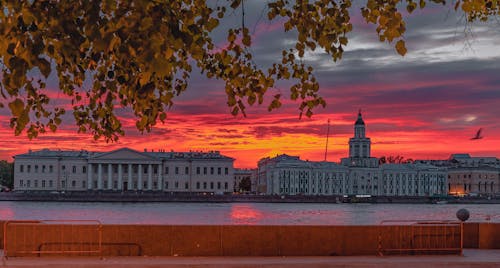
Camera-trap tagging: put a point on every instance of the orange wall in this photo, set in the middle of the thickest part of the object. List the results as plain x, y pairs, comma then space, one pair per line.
237, 240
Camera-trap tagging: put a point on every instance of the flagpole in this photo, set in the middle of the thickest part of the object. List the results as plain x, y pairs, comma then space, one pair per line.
327, 134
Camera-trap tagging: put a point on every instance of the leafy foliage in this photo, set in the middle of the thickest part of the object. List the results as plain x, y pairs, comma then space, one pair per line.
140, 54
245, 185
6, 174
398, 159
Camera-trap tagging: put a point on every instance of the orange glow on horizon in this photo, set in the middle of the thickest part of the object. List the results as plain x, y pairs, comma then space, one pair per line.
250, 139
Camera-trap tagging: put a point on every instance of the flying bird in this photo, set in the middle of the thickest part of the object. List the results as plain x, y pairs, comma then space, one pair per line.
478, 135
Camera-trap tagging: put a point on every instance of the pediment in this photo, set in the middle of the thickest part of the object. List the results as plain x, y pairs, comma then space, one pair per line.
123, 154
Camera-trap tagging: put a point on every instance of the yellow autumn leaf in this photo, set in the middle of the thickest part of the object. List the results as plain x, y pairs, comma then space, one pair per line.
401, 48
16, 107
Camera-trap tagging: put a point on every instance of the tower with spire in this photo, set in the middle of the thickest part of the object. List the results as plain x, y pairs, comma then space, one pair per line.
360, 147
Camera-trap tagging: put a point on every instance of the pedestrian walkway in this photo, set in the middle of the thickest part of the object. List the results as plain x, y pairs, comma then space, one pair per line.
471, 258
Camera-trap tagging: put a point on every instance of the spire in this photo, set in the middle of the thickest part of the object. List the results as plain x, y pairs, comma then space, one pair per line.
360, 119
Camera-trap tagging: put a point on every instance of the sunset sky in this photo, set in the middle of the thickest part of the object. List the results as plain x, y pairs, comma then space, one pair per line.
425, 105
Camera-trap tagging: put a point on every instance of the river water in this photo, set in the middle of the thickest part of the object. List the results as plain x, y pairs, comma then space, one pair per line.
242, 213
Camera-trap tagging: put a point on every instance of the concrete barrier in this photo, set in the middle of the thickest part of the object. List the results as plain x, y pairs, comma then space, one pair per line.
238, 240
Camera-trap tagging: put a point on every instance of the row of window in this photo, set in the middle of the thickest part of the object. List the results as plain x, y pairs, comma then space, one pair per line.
172, 185
199, 170
468, 187
175, 185
135, 168
492, 176
47, 184
48, 169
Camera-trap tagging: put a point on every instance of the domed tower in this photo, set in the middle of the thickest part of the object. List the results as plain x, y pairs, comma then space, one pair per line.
359, 145
359, 127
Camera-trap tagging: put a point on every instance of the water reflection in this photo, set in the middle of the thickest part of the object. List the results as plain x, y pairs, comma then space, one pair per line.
241, 213
6, 213
245, 214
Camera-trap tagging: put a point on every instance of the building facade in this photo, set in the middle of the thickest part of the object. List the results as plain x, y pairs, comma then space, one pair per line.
123, 170
470, 176
359, 174
472, 181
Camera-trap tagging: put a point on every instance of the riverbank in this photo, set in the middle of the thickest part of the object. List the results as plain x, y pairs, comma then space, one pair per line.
94, 196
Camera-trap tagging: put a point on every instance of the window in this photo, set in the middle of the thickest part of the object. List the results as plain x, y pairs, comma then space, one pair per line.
211, 170
211, 185
145, 170
29, 168
145, 185
186, 185
84, 184
51, 168
186, 170
166, 171
226, 171
84, 169
63, 167
36, 168
63, 184
176, 184
198, 169
43, 169
73, 184
204, 170
155, 170
176, 170
198, 185
166, 183
135, 168
115, 184
204, 185
21, 168
28, 183
218, 185
36, 183
115, 169
125, 168
155, 184
219, 170
225, 185
74, 169
51, 184
43, 183
21, 183
105, 184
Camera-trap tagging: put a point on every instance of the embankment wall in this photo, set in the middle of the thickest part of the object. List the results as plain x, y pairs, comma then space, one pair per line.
233, 240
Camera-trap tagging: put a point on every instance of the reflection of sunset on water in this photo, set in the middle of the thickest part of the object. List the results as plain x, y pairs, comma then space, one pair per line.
245, 214
6, 213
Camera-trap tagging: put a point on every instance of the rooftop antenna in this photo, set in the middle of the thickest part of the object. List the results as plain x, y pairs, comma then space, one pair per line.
327, 134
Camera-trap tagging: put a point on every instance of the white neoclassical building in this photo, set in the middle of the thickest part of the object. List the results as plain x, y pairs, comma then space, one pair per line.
123, 170
359, 174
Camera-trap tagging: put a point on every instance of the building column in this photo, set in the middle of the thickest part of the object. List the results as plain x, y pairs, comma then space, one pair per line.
150, 177
120, 177
99, 177
110, 176
89, 176
160, 177
139, 177
129, 182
